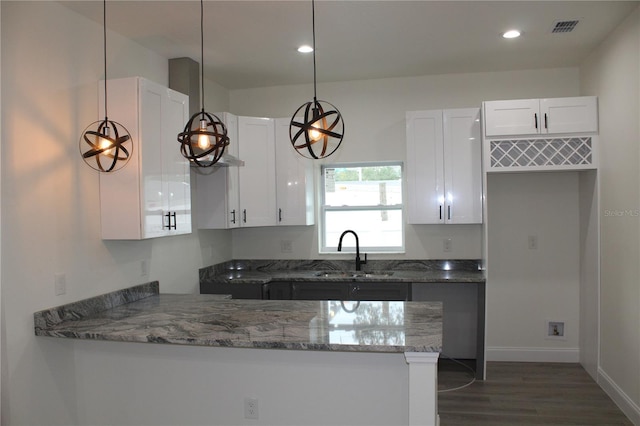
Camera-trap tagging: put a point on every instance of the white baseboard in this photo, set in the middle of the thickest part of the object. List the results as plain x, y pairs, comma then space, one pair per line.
622, 400
533, 354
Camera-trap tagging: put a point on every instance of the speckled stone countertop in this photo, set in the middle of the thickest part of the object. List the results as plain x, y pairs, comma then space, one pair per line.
413, 271
141, 314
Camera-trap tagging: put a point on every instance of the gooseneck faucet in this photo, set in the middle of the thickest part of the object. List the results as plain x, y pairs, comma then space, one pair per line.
358, 261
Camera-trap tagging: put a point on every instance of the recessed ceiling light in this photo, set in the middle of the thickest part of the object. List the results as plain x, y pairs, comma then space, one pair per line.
305, 49
511, 34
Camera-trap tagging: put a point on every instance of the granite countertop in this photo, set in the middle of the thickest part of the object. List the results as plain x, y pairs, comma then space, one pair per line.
141, 314
261, 272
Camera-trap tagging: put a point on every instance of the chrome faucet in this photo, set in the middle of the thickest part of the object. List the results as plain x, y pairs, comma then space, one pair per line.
358, 261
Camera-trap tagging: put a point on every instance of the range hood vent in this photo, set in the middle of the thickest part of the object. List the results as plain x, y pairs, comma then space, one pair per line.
184, 76
564, 26
227, 160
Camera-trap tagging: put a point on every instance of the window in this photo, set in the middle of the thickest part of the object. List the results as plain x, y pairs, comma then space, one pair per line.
366, 198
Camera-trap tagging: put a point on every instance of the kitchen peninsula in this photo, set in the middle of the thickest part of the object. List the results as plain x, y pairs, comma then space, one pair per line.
372, 336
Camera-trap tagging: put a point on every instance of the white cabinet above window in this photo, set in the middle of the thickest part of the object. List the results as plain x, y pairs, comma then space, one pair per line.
150, 196
541, 116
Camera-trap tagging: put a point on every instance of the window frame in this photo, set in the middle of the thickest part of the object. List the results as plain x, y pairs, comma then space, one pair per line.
323, 248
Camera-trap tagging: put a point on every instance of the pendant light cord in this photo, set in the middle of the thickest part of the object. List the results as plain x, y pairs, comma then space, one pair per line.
104, 28
202, 54
313, 29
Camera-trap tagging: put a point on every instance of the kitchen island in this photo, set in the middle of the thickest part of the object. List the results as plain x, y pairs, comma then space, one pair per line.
326, 336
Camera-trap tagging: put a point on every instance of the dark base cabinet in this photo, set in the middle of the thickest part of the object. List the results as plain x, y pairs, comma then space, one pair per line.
463, 306
380, 291
331, 290
327, 290
277, 290
237, 291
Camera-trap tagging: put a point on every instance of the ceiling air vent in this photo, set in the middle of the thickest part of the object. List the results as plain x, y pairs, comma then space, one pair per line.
564, 26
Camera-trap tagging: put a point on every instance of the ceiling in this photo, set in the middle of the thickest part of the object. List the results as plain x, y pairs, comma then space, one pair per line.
253, 43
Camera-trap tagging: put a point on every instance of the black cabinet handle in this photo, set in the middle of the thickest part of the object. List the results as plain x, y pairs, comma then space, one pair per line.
244, 215
448, 212
535, 118
546, 125
440, 213
168, 224
279, 215
233, 216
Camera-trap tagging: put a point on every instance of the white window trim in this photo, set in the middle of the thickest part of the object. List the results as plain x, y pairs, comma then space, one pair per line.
323, 248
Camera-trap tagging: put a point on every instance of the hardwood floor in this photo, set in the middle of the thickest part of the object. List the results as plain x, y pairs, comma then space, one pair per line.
524, 394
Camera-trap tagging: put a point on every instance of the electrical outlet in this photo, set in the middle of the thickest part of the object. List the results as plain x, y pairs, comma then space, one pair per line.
286, 246
144, 268
555, 330
251, 408
447, 245
60, 284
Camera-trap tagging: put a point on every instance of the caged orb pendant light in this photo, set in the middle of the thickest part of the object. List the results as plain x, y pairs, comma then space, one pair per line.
106, 145
205, 136
320, 132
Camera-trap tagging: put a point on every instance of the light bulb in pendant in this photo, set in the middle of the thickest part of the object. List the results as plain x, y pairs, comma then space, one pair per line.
203, 139
314, 133
316, 126
104, 143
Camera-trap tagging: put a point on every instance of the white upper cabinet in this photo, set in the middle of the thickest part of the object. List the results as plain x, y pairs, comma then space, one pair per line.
463, 165
294, 180
569, 115
425, 167
150, 196
257, 181
218, 196
541, 116
444, 178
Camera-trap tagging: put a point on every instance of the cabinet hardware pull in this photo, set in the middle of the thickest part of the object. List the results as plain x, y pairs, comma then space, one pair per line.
535, 118
440, 214
448, 212
233, 216
167, 224
546, 125
279, 215
244, 215
175, 221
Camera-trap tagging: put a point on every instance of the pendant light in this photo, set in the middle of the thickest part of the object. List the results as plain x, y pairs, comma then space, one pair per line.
320, 132
106, 145
205, 136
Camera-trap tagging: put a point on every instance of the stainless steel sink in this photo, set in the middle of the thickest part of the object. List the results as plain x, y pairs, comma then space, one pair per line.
354, 274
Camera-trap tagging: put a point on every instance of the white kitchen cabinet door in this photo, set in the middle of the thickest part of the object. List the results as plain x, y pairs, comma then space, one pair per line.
294, 180
424, 167
218, 196
257, 178
151, 196
444, 163
513, 117
541, 116
569, 115
462, 165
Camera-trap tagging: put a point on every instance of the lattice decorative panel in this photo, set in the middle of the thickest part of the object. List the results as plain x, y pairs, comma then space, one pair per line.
541, 152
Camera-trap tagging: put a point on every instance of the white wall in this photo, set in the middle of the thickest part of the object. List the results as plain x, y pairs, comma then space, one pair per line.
50, 204
613, 74
374, 116
528, 287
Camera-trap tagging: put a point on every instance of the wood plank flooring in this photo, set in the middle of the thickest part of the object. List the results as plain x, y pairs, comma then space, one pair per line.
525, 394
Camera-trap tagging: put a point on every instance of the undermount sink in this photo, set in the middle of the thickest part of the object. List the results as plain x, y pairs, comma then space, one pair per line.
353, 274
